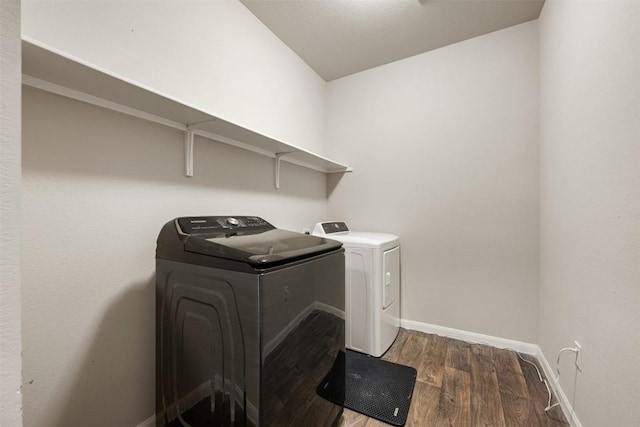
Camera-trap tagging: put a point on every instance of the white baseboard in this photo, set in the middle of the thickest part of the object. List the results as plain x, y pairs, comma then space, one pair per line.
473, 337
317, 305
519, 346
284, 333
149, 422
202, 392
275, 341
189, 401
565, 404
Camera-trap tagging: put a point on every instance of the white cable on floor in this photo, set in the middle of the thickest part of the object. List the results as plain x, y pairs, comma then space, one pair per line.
575, 350
542, 380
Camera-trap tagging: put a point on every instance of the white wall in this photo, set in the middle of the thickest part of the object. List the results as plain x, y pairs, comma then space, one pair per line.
444, 145
97, 187
590, 203
89, 294
215, 55
10, 167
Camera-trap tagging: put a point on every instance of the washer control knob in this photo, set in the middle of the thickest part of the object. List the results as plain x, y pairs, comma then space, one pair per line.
232, 221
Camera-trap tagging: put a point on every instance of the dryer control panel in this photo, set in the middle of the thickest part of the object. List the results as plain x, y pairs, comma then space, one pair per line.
330, 227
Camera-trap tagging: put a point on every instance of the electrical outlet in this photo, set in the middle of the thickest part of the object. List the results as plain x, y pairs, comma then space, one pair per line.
578, 356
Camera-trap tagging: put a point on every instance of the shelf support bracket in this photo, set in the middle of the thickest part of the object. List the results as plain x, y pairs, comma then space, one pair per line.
188, 153
276, 161
188, 146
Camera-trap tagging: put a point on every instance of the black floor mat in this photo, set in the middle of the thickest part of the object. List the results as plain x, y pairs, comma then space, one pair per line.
374, 387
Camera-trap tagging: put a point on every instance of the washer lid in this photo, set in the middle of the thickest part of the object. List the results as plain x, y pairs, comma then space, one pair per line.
246, 239
264, 248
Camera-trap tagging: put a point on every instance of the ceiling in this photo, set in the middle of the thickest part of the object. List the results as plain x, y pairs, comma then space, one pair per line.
341, 37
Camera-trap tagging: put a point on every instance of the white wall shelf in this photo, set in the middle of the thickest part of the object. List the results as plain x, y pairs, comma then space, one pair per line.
46, 69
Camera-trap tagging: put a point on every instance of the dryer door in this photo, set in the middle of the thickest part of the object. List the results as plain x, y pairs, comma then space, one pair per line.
391, 279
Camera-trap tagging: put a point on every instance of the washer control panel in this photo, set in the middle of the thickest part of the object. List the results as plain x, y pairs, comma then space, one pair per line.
215, 224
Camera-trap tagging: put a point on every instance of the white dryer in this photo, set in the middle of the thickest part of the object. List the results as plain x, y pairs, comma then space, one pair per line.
372, 286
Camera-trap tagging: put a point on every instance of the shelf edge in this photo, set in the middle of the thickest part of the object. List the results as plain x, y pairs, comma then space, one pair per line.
325, 165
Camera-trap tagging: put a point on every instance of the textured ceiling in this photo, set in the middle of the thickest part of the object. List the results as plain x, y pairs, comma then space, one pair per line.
341, 37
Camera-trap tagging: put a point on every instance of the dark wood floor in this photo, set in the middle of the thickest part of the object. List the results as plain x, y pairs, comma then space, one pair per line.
461, 384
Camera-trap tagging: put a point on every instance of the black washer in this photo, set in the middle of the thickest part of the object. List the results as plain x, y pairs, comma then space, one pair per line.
249, 319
